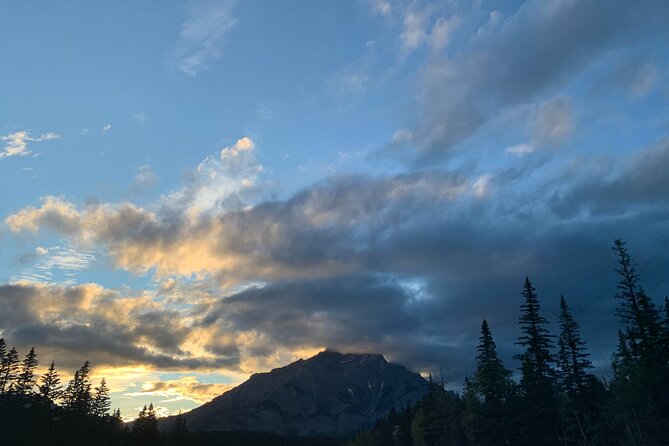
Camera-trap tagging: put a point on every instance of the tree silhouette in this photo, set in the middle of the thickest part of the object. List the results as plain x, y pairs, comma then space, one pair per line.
50, 387
9, 368
541, 414
101, 403
25, 381
77, 395
572, 359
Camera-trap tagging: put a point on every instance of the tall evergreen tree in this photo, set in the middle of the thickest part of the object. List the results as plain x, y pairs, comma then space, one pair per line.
492, 378
492, 385
9, 369
637, 312
572, 359
101, 403
145, 427
25, 381
541, 418
641, 370
77, 395
580, 401
50, 387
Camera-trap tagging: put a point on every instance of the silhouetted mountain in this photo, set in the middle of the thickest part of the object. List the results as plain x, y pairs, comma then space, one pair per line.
328, 394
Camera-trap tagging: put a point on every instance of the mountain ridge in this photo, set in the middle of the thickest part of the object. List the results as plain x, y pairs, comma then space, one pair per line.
330, 393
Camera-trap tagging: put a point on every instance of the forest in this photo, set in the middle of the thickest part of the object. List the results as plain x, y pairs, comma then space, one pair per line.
554, 399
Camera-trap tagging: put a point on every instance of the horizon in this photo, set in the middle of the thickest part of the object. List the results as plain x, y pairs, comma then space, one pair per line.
219, 188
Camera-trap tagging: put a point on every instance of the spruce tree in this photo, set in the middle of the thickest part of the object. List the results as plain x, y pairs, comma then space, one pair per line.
541, 417
145, 427
50, 387
9, 369
492, 378
493, 386
101, 403
580, 401
637, 312
641, 370
26, 379
77, 395
572, 358
179, 428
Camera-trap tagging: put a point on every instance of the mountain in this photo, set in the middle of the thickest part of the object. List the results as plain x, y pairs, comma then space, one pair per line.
328, 394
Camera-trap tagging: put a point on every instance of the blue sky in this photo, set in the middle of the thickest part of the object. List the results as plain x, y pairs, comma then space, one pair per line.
249, 182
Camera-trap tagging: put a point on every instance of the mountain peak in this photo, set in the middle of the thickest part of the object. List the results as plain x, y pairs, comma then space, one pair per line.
331, 393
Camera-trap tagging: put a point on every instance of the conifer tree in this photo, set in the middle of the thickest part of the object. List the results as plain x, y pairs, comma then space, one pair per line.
50, 387
179, 427
637, 312
537, 358
145, 427
492, 378
26, 379
9, 368
77, 396
572, 358
641, 370
492, 385
101, 403
541, 414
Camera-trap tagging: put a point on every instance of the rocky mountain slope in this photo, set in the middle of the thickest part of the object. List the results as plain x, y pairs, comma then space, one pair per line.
328, 394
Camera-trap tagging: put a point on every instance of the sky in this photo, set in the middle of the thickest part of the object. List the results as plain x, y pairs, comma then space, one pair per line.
201, 190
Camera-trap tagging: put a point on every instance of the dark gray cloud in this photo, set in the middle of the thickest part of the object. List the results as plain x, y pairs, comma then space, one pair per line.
642, 182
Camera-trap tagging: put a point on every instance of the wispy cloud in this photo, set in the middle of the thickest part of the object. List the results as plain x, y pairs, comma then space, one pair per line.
63, 258
17, 143
203, 35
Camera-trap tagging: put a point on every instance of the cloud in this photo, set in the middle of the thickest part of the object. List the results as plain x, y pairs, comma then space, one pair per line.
635, 75
185, 388
203, 35
144, 179
554, 122
63, 258
500, 68
520, 149
104, 326
640, 182
404, 264
381, 7
17, 143
106, 129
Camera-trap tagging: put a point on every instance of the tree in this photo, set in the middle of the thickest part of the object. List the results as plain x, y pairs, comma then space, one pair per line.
580, 402
641, 370
26, 379
491, 387
541, 418
9, 368
101, 403
50, 387
77, 396
637, 312
145, 427
179, 428
572, 358
492, 378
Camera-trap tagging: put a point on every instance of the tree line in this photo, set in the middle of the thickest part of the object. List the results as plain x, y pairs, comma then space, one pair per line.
556, 399
44, 411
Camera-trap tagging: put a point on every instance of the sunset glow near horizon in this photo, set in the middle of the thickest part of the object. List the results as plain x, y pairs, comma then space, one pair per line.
211, 189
